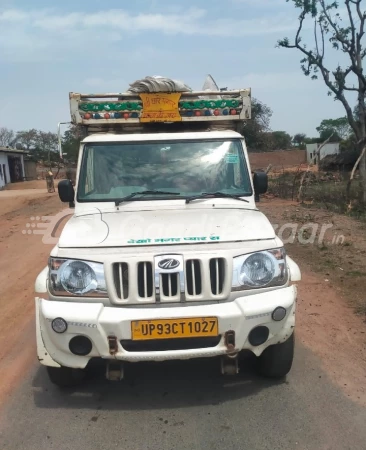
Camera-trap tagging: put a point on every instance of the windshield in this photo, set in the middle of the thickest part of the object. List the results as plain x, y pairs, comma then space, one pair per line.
112, 171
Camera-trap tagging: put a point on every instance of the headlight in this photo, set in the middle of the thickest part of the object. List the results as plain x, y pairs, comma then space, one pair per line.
259, 270
78, 278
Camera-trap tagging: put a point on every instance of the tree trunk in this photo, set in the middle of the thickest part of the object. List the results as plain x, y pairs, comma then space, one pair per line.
362, 164
362, 167
362, 136
357, 164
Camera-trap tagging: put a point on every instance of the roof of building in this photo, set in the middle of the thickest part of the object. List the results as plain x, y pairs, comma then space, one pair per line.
318, 144
12, 150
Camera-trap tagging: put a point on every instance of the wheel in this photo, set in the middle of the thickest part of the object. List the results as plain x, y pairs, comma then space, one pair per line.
276, 360
65, 376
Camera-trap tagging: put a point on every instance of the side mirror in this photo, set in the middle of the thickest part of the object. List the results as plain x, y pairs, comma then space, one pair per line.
66, 192
260, 182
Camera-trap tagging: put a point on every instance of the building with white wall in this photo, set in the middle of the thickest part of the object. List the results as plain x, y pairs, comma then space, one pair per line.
11, 165
313, 156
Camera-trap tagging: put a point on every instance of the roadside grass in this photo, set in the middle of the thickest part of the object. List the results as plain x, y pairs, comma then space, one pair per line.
356, 273
318, 191
361, 309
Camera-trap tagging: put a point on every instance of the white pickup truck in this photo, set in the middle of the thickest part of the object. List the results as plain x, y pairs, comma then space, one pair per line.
167, 255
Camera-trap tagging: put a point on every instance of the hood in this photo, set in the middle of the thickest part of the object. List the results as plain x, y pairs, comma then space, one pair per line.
131, 228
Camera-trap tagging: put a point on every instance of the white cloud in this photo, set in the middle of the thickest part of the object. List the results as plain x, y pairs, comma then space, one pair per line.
193, 21
12, 15
42, 35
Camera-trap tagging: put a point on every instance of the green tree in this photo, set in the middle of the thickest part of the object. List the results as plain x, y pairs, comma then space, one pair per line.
7, 137
46, 147
343, 34
281, 140
71, 143
299, 140
313, 140
349, 144
256, 129
41, 145
27, 139
329, 133
340, 128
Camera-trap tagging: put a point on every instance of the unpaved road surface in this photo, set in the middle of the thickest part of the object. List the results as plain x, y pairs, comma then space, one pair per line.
185, 405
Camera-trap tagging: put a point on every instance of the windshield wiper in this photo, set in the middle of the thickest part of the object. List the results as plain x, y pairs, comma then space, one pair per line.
134, 194
214, 195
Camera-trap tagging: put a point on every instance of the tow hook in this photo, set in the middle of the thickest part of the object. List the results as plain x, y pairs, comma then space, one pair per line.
229, 362
230, 341
114, 371
113, 345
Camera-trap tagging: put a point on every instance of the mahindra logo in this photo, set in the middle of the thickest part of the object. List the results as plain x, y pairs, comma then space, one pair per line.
168, 264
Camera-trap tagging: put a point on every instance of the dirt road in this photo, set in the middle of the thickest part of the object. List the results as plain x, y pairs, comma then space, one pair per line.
21, 258
322, 405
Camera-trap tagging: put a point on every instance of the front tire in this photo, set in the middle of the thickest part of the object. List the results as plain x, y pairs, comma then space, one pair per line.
64, 377
276, 360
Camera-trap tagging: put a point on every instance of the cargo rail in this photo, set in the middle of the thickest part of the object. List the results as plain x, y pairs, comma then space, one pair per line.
131, 109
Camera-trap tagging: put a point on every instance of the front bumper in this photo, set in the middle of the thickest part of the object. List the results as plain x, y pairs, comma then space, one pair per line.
97, 322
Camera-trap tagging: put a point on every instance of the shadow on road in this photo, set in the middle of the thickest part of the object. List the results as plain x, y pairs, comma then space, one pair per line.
146, 386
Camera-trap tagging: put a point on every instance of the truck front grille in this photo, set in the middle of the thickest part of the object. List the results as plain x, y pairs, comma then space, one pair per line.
193, 277
145, 279
121, 280
138, 282
169, 284
217, 275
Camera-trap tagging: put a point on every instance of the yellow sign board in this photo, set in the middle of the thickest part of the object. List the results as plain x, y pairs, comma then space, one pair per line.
160, 107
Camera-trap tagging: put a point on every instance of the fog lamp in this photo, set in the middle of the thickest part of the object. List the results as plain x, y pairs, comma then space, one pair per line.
279, 314
59, 325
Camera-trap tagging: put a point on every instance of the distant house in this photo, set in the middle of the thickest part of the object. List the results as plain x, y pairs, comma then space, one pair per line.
312, 151
11, 165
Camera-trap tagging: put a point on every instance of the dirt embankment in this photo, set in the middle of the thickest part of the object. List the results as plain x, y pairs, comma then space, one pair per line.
278, 159
22, 257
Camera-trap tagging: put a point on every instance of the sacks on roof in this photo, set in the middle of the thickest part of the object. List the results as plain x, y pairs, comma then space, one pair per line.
158, 84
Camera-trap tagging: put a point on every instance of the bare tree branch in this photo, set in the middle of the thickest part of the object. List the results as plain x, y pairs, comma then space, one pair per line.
362, 154
323, 144
353, 29
316, 37
299, 192
323, 40
346, 38
339, 37
346, 43
324, 71
347, 88
268, 168
7, 137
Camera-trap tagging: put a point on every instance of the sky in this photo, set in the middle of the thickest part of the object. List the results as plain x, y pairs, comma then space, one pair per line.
102, 46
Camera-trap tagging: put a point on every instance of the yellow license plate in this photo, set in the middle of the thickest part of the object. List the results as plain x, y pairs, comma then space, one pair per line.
174, 328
